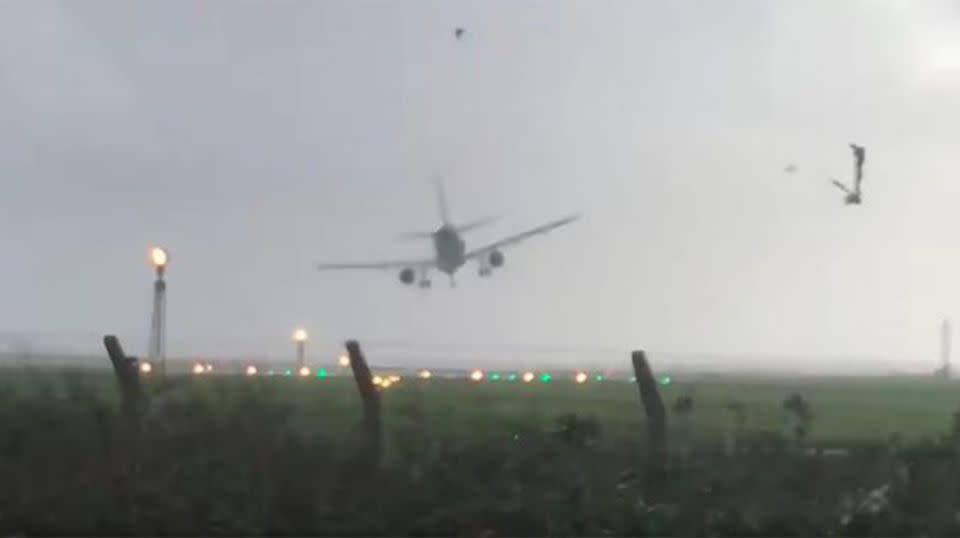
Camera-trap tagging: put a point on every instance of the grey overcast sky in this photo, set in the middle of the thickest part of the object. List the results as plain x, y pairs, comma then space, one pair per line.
254, 139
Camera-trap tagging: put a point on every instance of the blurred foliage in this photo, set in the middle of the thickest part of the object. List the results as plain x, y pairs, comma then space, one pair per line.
257, 457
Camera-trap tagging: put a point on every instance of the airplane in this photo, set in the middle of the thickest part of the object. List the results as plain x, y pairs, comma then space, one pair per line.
450, 251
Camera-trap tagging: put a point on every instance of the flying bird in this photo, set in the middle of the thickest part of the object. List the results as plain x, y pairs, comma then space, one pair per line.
853, 195
791, 168
458, 33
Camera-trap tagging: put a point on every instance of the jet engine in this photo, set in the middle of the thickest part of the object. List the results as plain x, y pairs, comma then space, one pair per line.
406, 276
495, 258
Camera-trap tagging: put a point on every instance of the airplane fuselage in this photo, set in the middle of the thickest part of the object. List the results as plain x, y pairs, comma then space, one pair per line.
450, 250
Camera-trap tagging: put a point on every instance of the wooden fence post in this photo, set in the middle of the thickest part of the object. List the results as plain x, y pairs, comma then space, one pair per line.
370, 398
127, 371
656, 419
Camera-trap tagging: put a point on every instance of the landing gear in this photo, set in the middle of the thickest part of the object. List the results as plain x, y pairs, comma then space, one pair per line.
424, 282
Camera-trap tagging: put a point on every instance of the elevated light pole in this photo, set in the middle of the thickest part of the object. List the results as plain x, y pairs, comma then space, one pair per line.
300, 339
158, 331
945, 340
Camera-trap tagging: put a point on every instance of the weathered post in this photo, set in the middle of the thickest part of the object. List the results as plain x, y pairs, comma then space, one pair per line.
127, 371
656, 420
359, 470
370, 398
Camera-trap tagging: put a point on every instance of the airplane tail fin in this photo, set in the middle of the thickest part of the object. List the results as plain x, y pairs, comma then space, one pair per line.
442, 203
444, 214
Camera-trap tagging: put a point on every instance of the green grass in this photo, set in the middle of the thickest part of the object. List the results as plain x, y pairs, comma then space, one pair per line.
275, 456
846, 409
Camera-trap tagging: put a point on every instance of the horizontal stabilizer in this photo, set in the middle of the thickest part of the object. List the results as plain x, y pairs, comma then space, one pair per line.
475, 224
416, 235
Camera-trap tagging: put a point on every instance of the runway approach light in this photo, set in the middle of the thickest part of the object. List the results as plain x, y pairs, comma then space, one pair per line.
159, 258
208, 368
251, 370
300, 335
528, 377
580, 377
666, 381
599, 377
424, 374
511, 377
386, 384
545, 378
198, 368
476, 375
377, 380
394, 379
304, 371
495, 376
321, 373
344, 361
146, 367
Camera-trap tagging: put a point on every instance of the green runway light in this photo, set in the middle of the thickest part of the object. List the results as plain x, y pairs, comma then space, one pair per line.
321, 374
286, 372
599, 378
270, 372
512, 377
494, 376
545, 378
666, 381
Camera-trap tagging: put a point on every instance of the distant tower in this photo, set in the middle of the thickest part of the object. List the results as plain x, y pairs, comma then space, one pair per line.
945, 337
158, 331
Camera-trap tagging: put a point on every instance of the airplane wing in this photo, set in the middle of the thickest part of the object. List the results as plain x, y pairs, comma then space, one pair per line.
514, 239
376, 265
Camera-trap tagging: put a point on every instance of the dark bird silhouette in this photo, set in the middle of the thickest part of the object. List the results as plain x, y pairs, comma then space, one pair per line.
458, 33
854, 194
790, 168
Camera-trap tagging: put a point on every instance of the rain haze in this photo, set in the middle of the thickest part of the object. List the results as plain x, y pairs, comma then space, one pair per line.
255, 139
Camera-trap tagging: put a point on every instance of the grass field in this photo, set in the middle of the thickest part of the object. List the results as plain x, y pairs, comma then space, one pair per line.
845, 409
231, 455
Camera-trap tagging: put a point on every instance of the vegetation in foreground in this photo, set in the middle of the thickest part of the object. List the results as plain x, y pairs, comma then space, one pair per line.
277, 456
